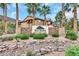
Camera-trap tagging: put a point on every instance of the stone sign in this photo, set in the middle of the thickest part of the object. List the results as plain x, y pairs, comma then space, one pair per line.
42, 29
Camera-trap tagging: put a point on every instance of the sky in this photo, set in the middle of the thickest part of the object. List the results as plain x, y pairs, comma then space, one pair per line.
55, 8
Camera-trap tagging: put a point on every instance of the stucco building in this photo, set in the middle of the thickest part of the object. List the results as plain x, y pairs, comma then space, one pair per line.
31, 25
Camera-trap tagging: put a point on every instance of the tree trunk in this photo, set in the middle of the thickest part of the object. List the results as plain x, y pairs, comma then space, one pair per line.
5, 18
75, 18
62, 29
63, 16
45, 18
33, 14
17, 19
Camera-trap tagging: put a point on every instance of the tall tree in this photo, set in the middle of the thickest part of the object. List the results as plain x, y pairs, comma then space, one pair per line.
17, 18
44, 10
75, 17
4, 7
74, 6
58, 18
32, 8
63, 15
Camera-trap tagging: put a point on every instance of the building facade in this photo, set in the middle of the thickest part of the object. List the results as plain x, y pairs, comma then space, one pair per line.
30, 25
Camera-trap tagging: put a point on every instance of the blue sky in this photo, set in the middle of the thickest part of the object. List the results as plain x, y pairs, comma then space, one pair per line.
55, 7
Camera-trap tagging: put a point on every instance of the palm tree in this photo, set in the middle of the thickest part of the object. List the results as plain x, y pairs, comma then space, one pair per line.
44, 10
58, 18
74, 5
63, 15
62, 29
75, 17
17, 18
4, 7
72, 22
2, 20
32, 8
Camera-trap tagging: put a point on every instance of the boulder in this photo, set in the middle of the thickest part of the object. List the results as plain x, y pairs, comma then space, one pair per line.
60, 48
43, 51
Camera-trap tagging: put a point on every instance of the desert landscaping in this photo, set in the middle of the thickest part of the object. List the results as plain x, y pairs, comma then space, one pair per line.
50, 46
39, 35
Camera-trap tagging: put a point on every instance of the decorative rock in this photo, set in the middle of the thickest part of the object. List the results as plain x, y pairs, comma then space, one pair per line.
38, 48
48, 50
52, 49
31, 43
43, 51
55, 48
38, 54
2, 46
20, 44
40, 42
4, 49
23, 54
37, 51
49, 47
13, 46
60, 49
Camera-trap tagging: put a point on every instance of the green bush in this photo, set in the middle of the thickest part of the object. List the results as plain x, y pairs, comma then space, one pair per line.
55, 34
31, 35
72, 51
67, 27
38, 36
45, 34
71, 35
22, 36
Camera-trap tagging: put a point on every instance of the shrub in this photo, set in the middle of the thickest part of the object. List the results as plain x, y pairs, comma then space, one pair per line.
7, 37
45, 34
1, 32
22, 36
55, 34
71, 35
72, 50
38, 36
31, 35
67, 27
